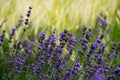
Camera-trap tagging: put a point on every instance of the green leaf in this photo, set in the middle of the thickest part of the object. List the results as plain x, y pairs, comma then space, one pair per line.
5, 46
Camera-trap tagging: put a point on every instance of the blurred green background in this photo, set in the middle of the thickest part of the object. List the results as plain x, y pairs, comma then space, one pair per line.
61, 14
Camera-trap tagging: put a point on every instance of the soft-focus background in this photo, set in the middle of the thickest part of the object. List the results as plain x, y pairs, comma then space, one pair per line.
60, 14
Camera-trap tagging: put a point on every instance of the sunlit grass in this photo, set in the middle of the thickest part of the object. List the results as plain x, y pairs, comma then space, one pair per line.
57, 13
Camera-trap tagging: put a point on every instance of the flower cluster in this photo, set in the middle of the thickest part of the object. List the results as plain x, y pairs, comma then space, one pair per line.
2, 37
63, 57
51, 60
12, 34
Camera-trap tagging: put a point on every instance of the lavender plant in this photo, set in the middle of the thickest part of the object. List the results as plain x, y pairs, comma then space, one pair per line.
50, 57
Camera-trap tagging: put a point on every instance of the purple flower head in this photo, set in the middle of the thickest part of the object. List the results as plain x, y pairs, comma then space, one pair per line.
53, 39
55, 78
85, 46
47, 42
30, 46
68, 56
0, 43
59, 67
1, 38
111, 55
94, 46
21, 17
65, 64
83, 40
42, 36
24, 42
111, 77
17, 69
100, 57
41, 77
74, 40
20, 60
33, 68
13, 29
98, 41
106, 68
62, 34
70, 34
87, 36
84, 43
68, 74
43, 33
50, 70
104, 22
65, 31
77, 68
20, 22
103, 47
39, 47
117, 70
101, 36
39, 69
60, 39
42, 62
76, 64
99, 75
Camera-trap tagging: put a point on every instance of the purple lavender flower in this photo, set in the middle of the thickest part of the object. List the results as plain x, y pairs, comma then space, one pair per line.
77, 67
111, 55
84, 43
104, 22
111, 77
87, 36
1, 38
30, 46
94, 46
100, 57
24, 42
42, 37
106, 68
33, 68
20, 60
70, 34
41, 77
98, 41
101, 36
3, 35
99, 75
13, 31
68, 74
0, 43
17, 69
20, 22
103, 47
55, 78
39, 69
50, 70
117, 70
39, 47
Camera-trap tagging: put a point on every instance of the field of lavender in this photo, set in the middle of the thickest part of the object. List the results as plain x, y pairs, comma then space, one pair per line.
59, 40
